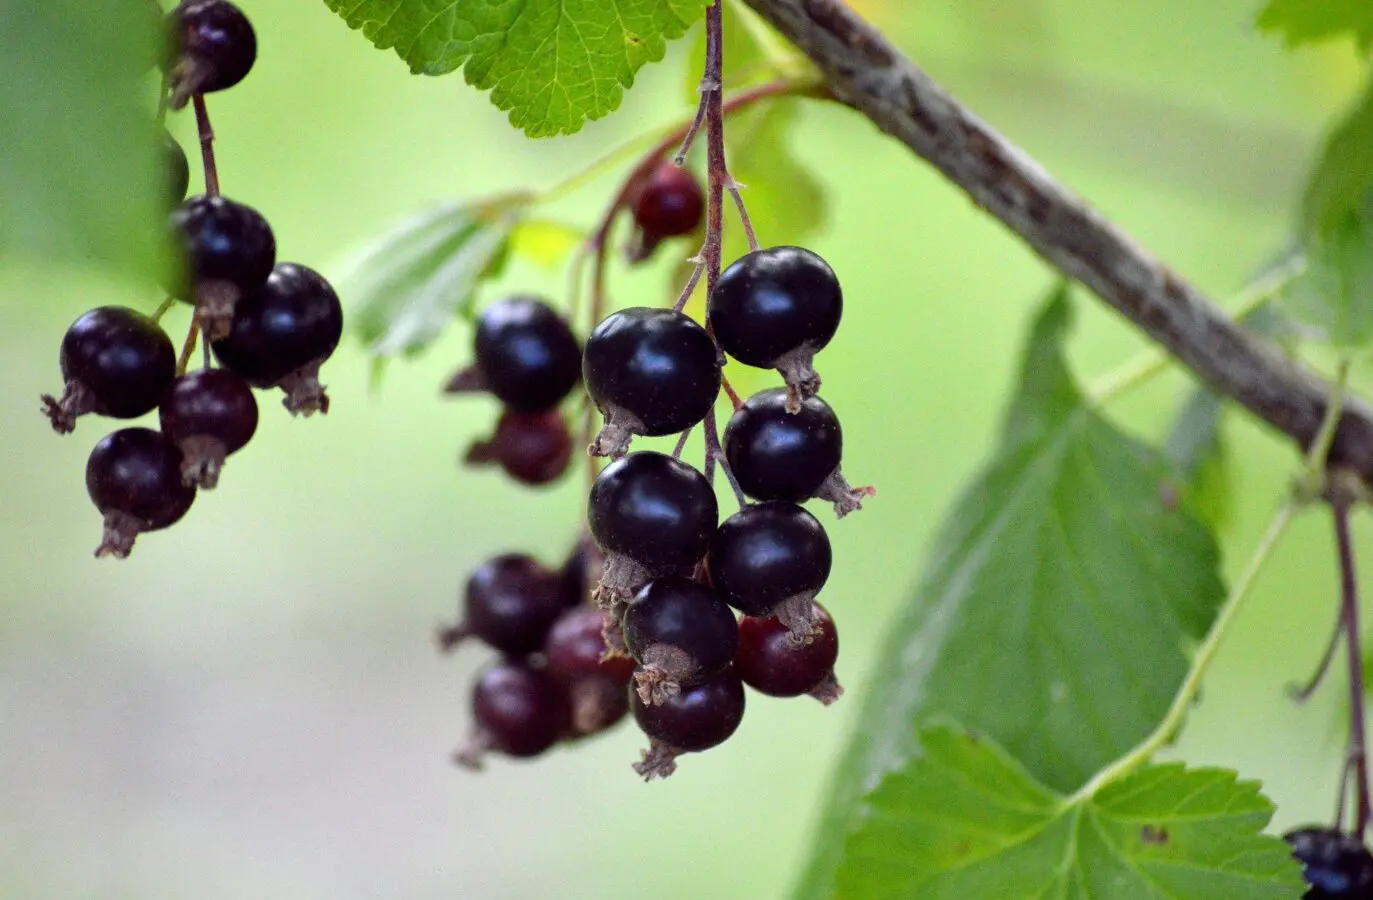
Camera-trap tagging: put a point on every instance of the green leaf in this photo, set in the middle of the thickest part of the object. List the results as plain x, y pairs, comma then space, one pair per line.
1306, 21
1055, 607
553, 64
1344, 171
1332, 301
964, 821
413, 281
78, 156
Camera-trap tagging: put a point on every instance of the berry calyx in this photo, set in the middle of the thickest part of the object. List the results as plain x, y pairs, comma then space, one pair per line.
651, 372
134, 478
702, 716
115, 362
596, 675
771, 559
525, 354
772, 662
176, 170
215, 48
653, 515
510, 602
532, 448
775, 309
1337, 866
670, 203
518, 710
281, 335
209, 415
229, 251
679, 632
780, 455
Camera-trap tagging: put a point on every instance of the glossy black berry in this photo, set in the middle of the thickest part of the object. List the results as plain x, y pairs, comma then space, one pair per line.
518, 710
781, 455
700, 717
228, 250
652, 514
532, 448
651, 372
669, 203
577, 654
115, 362
134, 478
1337, 865
525, 354
771, 559
680, 632
771, 661
209, 414
775, 309
214, 48
282, 333
176, 170
510, 603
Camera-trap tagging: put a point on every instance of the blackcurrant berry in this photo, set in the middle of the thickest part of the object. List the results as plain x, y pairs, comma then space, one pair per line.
281, 335
595, 675
510, 602
771, 661
651, 372
115, 362
775, 309
581, 571
533, 448
780, 455
700, 717
653, 515
518, 710
176, 170
1338, 866
679, 632
209, 414
526, 354
134, 479
215, 48
771, 559
670, 203
229, 251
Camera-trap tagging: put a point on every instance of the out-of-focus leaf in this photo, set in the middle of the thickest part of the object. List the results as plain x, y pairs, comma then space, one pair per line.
1305, 21
1344, 171
545, 243
1332, 300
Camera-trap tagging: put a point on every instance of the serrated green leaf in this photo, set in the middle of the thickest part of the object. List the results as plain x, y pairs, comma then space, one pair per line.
78, 156
1332, 300
1344, 171
413, 281
552, 64
964, 821
1055, 607
1305, 21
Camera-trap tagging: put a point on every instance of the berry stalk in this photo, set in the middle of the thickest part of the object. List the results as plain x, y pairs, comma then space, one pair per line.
1357, 753
207, 145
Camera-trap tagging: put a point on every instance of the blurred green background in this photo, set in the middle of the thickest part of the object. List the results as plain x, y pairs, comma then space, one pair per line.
251, 706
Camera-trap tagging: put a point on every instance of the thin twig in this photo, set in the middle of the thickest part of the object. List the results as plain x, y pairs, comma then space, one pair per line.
743, 216
207, 145
162, 308
187, 348
717, 176
1303, 692
681, 442
690, 287
1349, 611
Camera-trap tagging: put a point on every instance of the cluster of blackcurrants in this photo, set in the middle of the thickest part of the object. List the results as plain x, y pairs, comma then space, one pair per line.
268, 324
671, 575
1336, 865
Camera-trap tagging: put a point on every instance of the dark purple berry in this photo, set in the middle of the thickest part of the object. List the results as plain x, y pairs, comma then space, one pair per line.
595, 675
518, 710
214, 48
115, 362
700, 717
651, 372
228, 251
209, 414
176, 170
510, 603
781, 455
1337, 865
670, 203
532, 448
526, 354
771, 559
679, 632
581, 571
772, 661
282, 333
653, 515
134, 479
775, 309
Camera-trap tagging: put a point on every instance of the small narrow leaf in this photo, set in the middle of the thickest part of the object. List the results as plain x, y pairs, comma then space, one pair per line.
964, 821
1333, 299
412, 282
552, 64
1055, 607
1306, 21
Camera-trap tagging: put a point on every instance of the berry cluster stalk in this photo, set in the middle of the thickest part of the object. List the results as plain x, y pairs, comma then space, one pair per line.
1357, 753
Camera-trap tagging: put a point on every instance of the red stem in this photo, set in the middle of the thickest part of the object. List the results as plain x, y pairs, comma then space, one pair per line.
1349, 606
